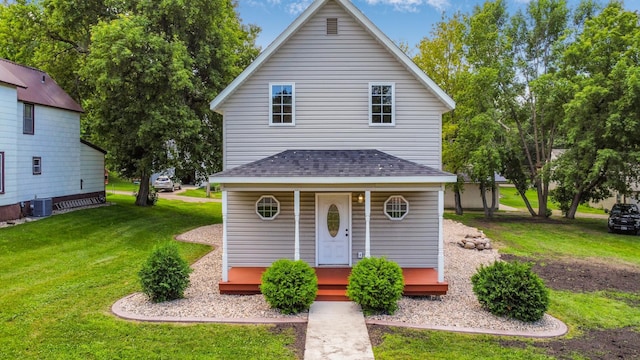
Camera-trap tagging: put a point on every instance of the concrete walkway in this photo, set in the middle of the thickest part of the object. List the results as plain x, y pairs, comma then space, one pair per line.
336, 330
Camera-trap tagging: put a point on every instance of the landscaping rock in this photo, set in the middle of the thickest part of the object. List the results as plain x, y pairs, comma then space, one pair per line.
478, 242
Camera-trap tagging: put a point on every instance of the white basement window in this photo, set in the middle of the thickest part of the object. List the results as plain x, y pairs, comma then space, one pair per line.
396, 207
267, 207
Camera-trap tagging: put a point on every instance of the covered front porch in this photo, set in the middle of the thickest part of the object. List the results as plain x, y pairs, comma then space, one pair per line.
332, 282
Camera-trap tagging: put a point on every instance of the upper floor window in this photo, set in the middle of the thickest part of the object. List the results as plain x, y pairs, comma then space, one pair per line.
267, 207
396, 207
282, 104
37, 165
382, 104
1, 172
27, 119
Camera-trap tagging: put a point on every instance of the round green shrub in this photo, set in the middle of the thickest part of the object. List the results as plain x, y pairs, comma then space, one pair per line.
165, 275
289, 286
511, 290
376, 284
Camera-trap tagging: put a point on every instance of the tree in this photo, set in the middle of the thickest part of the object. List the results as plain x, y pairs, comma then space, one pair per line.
535, 36
139, 108
602, 115
481, 101
442, 57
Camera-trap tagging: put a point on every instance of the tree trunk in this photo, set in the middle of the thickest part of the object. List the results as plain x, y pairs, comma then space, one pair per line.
571, 214
458, 200
542, 199
143, 193
483, 195
492, 208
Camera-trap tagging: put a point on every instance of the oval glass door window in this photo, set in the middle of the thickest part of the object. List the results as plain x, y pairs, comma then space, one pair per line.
333, 220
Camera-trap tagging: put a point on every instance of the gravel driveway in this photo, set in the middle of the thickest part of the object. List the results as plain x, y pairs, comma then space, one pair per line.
458, 310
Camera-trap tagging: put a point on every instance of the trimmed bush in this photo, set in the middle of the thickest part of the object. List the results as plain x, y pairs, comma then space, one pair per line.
289, 286
376, 284
511, 290
165, 275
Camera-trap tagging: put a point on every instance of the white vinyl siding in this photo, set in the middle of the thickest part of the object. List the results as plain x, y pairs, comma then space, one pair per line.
1, 172
412, 242
91, 169
332, 75
57, 142
9, 126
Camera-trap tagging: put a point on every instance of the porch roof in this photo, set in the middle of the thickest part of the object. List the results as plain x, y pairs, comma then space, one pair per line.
330, 167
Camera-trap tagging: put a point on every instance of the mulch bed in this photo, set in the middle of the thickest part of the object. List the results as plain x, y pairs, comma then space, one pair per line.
300, 331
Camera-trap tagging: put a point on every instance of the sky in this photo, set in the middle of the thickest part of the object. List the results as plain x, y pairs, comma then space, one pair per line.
401, 20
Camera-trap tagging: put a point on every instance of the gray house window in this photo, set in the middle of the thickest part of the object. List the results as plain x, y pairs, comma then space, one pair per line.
27, 119
267, 207
382, 104
1, 172
282, 103
396, 207
37, 165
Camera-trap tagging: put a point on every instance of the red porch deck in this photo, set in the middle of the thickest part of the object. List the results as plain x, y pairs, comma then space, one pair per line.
332, 282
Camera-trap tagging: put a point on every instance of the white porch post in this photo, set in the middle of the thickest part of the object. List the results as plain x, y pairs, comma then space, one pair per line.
225, 267
367, 220
296, 211
440, 236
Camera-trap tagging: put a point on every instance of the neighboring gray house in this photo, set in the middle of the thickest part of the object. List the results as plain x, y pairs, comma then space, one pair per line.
41, 154
332, 153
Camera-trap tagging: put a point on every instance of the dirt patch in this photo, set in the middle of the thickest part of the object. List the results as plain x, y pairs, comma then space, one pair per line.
595, 344
583, 275
377, 333
300, 331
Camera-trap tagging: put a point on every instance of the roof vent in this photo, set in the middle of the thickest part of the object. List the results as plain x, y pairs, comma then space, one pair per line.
332, 26
43, 79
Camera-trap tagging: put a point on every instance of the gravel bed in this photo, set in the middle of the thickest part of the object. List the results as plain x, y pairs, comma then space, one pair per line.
202, 297
458, 309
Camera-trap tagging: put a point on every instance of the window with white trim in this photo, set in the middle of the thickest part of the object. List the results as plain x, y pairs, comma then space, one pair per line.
1, 172
396, 207
37, 165
382, 104
267, 207
282, 104
28, 126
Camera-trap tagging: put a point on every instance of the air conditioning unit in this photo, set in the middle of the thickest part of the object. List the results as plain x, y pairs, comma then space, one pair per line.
42, 207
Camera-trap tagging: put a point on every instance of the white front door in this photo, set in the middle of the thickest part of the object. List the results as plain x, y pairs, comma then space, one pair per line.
333, 225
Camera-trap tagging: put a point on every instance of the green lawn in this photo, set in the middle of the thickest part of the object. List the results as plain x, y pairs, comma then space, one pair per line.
120, 184
201, 193
532, 238
509, 196
61, 275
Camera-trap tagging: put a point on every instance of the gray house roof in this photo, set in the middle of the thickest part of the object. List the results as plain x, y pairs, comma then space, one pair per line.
332, 166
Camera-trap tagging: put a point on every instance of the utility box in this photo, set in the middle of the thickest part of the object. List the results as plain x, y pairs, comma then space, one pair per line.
42, 207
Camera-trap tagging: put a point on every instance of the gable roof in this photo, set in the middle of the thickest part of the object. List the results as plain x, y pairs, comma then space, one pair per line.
332, 166
36, 86
360, 18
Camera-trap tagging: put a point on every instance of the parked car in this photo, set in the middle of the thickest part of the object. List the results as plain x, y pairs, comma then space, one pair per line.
165, 183
624, 218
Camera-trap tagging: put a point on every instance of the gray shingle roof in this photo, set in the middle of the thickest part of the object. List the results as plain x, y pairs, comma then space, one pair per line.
331, 163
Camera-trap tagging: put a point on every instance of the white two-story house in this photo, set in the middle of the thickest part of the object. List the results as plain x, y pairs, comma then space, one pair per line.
41, 153
332, 153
